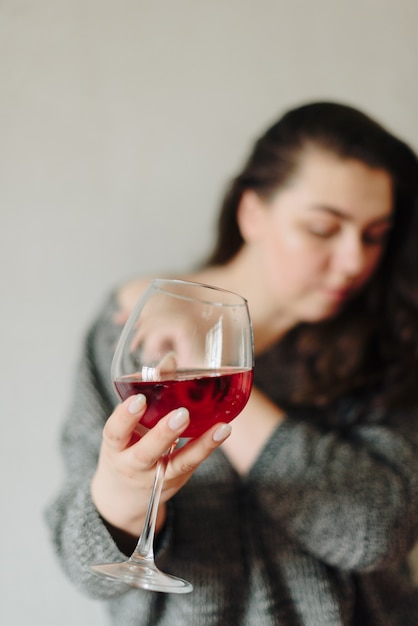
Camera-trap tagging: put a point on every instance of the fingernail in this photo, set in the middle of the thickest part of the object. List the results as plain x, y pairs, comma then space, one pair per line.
178, 419
137, 403
222, 432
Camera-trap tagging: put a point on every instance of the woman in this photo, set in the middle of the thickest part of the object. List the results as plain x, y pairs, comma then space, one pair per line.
306, 512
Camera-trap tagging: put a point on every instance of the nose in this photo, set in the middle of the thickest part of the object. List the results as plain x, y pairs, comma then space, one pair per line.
352, 256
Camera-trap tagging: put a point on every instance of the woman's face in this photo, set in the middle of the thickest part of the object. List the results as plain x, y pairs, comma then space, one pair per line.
318, 241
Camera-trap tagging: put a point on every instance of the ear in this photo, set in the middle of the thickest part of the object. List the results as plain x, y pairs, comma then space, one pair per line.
250, 214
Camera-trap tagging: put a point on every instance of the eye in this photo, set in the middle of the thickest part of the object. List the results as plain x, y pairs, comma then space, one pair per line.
377, 236
323, 231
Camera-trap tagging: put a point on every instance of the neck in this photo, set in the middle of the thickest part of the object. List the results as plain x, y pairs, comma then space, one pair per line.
270, 321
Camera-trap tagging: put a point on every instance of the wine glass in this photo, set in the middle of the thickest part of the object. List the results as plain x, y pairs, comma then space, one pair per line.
190, 345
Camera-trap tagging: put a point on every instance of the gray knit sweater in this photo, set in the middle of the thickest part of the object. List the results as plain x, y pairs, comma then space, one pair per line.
315, 535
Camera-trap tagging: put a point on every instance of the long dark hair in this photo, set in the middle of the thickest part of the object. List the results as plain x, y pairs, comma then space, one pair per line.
374, 341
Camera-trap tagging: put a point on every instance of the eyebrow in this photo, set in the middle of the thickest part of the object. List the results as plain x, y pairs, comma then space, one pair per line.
347, 218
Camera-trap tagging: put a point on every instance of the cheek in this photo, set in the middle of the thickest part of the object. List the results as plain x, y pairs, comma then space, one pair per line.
291, 260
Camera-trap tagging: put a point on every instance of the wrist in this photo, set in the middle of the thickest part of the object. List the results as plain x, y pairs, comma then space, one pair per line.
120, 510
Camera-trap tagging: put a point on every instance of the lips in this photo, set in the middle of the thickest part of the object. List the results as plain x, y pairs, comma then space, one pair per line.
339, 295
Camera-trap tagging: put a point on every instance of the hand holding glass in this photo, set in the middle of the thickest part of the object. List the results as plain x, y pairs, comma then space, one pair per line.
187, 345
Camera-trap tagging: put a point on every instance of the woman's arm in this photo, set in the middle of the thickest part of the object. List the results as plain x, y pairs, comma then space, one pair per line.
110, 469
79, 535
251, 431
351, 499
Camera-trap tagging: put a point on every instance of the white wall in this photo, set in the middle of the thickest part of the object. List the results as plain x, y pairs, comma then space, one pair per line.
119, 124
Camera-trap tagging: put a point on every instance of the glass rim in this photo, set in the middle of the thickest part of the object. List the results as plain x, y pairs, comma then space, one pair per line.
159, 282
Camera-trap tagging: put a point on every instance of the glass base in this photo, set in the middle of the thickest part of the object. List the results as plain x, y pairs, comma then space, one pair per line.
142, 576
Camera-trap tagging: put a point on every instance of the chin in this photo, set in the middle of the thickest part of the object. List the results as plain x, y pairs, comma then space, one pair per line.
322, 314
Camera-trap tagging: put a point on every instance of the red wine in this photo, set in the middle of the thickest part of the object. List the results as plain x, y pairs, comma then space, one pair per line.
217, 397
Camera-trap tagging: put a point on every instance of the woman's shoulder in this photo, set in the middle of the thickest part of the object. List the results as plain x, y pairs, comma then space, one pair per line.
127, 294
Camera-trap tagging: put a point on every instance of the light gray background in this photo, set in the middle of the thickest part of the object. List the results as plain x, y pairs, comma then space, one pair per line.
119, 124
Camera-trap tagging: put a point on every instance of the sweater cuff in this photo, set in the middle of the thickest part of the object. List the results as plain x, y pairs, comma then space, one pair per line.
126, 543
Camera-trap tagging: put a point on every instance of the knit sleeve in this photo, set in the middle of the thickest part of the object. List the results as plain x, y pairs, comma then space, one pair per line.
349, 498
79, 535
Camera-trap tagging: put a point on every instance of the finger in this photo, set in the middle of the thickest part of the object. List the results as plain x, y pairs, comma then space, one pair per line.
185, 460
119, 428
146, 452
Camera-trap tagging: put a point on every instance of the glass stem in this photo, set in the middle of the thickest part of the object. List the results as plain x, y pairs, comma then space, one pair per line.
145, 545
